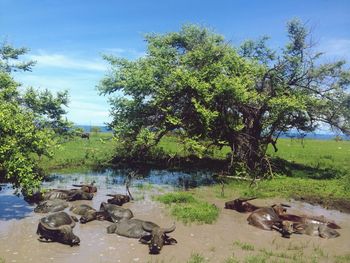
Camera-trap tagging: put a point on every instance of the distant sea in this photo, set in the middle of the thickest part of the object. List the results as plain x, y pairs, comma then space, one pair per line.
316, 136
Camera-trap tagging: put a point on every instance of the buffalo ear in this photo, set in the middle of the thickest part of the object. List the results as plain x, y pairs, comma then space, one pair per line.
170, 241
145, 239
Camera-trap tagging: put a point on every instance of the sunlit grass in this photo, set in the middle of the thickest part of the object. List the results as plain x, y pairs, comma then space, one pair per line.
79, 154
283, 187
184, 207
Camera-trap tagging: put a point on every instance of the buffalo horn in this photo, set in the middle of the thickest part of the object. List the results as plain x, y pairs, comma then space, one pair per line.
284, 205
246, 199
147, 227
170, 229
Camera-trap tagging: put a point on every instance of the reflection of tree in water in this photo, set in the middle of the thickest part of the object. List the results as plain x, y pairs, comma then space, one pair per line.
14, 207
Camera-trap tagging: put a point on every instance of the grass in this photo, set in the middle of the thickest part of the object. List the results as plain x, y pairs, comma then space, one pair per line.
231, 260
315, 153
309, 152
342, 259
284, 187
79, 154
317, 168
183, 206
243, 245
196, 258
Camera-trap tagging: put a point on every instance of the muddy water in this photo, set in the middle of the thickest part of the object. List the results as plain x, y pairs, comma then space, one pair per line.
19, 243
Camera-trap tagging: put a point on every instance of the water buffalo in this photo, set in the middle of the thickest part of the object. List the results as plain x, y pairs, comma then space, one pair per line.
310, 225
69, 195
109, 212
314, 229
267, 218
88, 188
85, 135
304, 219
54, 205
157, 237
241, 205
118, 199
130, 228
58, 227
82, 209
148, 232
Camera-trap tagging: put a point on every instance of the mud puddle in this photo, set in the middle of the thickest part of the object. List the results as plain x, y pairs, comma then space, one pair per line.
229, 236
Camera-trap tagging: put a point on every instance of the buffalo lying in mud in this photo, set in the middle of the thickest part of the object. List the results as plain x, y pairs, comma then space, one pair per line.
58, 227
88, 188
276, 218
109, 212
69, 195
82, 210
304, 219
48, 206
310, 225
267, 218
118, 199
243, 206
312, 229
148, 232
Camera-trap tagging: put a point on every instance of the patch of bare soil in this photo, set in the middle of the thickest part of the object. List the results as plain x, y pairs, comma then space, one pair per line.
229, 236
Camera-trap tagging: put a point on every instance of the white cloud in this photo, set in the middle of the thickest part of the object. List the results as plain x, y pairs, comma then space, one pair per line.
337, 48
67, 62
85, 105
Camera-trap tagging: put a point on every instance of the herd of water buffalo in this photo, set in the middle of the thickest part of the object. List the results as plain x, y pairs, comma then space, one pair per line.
58, 226
275, 217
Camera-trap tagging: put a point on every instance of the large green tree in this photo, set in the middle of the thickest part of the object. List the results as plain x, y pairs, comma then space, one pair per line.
28, 123
197, 83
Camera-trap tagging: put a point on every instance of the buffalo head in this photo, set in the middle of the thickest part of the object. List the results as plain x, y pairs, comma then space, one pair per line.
157, 237
67, 236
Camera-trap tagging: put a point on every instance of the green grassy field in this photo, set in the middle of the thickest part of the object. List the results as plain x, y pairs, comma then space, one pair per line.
308, 158
315, 153
81, 154
313, 169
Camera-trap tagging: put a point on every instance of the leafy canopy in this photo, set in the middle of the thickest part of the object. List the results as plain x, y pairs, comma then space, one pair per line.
195, 82
28, 123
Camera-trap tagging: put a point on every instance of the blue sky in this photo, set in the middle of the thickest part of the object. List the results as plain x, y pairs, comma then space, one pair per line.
67, 37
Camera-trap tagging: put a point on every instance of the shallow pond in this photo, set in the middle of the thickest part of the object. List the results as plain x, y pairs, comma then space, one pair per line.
216, 242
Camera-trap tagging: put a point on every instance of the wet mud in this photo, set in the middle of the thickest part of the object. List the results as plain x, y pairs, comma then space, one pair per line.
216, 242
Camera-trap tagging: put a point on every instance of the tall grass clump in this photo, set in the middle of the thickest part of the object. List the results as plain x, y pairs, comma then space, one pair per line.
188, 209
